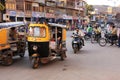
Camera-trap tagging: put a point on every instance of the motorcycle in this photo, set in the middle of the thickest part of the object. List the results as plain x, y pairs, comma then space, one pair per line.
76, 43
107, 39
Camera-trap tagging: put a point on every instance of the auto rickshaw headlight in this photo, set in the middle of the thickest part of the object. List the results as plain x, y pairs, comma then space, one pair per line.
35, 48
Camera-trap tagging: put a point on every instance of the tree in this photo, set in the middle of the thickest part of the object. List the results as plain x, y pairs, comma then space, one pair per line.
89, 8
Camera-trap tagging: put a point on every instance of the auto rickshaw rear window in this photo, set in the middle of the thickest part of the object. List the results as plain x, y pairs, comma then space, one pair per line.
37, 31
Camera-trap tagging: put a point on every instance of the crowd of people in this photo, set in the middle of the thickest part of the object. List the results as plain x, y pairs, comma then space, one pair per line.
112, 30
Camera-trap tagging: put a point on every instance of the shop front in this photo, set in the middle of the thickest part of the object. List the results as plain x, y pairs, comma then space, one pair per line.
50, 17
37, 16
20, 16
12, 15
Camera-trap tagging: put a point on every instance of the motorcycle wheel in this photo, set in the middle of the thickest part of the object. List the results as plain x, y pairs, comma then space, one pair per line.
35, 63
92, 39
75, 50
102, 42
8, 61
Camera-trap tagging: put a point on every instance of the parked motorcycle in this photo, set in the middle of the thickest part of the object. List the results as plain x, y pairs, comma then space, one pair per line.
76, 43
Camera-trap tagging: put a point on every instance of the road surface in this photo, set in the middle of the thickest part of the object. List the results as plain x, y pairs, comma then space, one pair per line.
91, 63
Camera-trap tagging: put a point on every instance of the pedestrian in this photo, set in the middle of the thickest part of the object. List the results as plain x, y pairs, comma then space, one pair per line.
117, 22
118, 34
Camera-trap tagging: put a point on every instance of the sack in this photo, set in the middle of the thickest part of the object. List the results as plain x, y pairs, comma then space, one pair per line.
52, 45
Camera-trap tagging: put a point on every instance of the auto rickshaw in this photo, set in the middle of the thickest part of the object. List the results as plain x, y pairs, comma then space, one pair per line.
45, 43
10, 47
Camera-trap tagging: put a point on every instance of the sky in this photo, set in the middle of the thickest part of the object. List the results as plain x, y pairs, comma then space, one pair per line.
104, 2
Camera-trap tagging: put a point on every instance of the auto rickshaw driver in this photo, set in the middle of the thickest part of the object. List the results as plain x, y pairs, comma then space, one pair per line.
59, 37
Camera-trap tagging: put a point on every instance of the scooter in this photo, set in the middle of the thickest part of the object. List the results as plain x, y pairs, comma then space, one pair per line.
76, 43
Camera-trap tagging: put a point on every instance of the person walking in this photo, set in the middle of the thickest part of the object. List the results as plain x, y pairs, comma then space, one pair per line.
118, 34
117, 22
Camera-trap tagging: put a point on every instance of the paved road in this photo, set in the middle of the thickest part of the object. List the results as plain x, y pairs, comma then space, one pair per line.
91, 63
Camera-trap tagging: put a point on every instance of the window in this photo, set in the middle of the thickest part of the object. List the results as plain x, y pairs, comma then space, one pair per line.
35, 8
10, 6
20, 6
37, 32
28, 6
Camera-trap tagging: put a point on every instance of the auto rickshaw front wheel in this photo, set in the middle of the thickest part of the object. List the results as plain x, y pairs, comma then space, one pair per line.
8, 59
35, 63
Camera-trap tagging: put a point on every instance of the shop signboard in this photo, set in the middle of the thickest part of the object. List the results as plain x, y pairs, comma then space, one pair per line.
38, 14
67, 17
20, 14
40, 1
12, 13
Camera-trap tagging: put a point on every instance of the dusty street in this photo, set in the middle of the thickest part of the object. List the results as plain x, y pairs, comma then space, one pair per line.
91, 63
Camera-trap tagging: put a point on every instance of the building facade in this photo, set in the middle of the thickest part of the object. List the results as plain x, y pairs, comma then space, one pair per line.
30, 10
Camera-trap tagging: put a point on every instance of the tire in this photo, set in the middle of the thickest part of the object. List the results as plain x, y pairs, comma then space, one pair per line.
22, 55
86, 37
35, 63
22, 52
92, 39
116, 42
75, 50
8, 61
102, 42
63, 56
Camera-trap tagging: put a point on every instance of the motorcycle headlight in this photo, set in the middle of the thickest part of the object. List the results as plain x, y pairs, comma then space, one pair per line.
35, 48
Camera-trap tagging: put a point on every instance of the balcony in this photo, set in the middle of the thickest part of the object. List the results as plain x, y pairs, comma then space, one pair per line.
51, 4
50, 0
61, 4
40, 1
71, 4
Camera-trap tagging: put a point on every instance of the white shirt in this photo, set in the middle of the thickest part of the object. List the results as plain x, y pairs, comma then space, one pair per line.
118, 32
81, 33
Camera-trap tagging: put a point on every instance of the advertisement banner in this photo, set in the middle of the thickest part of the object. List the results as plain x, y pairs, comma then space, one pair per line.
49, 15
38, 14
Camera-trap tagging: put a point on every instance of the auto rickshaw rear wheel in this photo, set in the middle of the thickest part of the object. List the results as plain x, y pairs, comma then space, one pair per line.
8, 60
22, 55
63, 56
35, 63
22, 51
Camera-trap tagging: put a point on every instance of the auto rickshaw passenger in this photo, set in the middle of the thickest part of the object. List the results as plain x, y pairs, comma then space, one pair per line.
13, 33
59, 37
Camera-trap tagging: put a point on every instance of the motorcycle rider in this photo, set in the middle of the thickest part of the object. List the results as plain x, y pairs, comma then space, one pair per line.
89, 30
113, 33
97, 31
81, 34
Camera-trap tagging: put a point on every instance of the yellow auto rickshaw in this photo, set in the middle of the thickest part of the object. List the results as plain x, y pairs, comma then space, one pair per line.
12, 43
46, 42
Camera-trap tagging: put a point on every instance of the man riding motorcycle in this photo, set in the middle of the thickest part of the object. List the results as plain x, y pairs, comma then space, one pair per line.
97, 31
113, 33
81, 34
